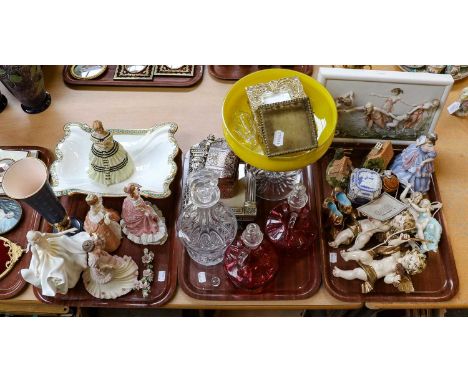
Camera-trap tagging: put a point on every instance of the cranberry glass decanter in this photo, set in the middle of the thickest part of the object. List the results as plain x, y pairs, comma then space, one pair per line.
206, 226
290, 226
251, 261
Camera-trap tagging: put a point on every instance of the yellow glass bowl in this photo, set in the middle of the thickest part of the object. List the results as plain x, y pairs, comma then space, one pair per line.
323, 106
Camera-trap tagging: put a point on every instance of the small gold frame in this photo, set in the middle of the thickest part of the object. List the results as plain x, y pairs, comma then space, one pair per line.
78, 77
14, 252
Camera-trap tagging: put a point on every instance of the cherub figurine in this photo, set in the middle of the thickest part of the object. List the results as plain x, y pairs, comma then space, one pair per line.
429, 229
414, 166
107, 276
363, 230
57, 260
103, 222
142, 222
395, 269
109, 163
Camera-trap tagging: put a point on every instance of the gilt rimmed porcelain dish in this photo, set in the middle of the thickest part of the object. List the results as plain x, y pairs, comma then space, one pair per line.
152, 150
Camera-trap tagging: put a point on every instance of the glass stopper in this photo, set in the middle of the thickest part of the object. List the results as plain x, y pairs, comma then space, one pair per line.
204, 191
298, 198
252, 236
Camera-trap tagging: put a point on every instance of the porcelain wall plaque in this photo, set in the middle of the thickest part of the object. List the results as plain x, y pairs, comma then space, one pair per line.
375, 105
150, 149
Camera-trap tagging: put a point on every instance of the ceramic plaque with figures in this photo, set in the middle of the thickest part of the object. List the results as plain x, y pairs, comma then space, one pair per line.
374, 105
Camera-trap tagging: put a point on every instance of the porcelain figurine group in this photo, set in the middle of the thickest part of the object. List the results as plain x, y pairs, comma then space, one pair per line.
392, 249
59, 260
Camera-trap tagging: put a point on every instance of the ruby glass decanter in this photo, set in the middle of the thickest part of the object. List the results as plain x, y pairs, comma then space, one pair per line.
251, 261
290, 226
206, 226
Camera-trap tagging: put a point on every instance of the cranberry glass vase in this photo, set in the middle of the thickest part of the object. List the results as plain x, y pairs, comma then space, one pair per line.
251, 261
290, 226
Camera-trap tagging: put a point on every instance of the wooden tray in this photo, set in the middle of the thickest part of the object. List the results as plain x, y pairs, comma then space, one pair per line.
13, 283
235, 72
107, 79
438, 282
165, 256
297, 278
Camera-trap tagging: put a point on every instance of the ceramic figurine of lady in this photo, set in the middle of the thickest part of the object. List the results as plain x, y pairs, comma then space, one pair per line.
414, 166
109, 163
107, 276
104, 222
57, 260
142, 222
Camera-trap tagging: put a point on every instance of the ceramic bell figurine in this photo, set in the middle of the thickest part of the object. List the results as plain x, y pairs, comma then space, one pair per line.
108, 277
206, 226
109, 163
463, 100
57, 260
395, 269
104, 222
142, 222
251, 261
290, 226
414, 166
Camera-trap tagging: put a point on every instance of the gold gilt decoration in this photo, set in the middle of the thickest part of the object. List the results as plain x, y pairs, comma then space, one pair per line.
14, 252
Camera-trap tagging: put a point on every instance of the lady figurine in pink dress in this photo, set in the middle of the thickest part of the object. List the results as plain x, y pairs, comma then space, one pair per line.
142, 222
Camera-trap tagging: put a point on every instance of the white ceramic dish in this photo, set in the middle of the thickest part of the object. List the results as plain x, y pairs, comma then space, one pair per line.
152, 150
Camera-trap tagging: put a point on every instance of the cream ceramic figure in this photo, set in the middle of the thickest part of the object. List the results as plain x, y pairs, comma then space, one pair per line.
57, 260
363, 230
463, 108
394, 269
109, 163
104, 222
108, 277
142, 222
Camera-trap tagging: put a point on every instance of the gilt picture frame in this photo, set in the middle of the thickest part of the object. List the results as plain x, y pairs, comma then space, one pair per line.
374, 105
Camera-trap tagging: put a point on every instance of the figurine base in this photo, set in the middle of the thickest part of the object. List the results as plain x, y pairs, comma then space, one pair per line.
38, 109
3, 102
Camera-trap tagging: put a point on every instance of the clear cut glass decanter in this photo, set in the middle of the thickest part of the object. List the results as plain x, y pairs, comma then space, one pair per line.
251, 261
206, 226
290, 226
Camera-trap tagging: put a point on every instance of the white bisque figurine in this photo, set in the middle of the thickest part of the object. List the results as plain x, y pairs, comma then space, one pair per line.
363, 230
57, 260
107, 276
396, 268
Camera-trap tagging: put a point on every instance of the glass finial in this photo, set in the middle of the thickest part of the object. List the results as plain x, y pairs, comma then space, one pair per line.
252, 236
204, 191
298, 198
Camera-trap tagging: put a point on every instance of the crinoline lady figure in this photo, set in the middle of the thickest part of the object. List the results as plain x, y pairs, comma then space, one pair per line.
108, 160
414, 166
142, 222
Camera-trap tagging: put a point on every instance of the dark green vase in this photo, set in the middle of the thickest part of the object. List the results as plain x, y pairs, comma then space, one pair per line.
26, 83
